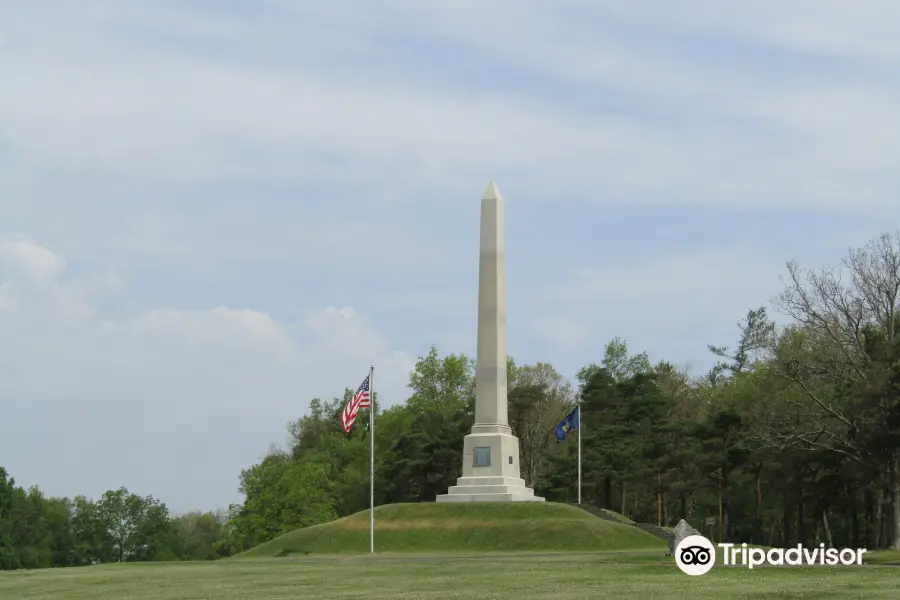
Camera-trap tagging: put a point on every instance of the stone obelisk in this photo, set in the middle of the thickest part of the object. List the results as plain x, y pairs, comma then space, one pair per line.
490, 469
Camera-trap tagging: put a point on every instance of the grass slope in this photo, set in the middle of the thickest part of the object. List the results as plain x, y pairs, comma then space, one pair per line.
663, 533
572, 577
480, 527
882, 557
604, 513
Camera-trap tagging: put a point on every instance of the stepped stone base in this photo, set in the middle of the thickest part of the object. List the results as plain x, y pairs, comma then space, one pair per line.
490, 470
489, 489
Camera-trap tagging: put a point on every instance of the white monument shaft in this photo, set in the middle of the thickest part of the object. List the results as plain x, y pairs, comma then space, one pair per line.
490, 470
490, 380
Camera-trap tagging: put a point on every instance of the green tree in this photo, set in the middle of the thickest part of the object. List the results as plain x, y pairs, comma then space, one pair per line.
840, 355
93, 540
9, 555
444, 385
198, 536
60, 532
756, 342
537, 400
138, 529
282, 494
617, 362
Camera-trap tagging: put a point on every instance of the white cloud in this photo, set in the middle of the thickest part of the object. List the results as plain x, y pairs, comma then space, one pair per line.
858, 30
215, 327
34, 261
703, 276
147, 399
715, 133
7, 301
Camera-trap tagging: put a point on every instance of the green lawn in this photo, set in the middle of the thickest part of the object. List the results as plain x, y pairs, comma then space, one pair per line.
639, 575
523, 551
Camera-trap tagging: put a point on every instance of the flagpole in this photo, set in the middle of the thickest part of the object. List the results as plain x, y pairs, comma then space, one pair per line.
372, 460
580, 425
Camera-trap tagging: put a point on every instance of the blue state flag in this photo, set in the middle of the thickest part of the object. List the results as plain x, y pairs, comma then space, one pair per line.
567, 425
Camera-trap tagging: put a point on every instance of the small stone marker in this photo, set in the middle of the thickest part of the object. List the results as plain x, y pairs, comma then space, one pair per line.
682, 530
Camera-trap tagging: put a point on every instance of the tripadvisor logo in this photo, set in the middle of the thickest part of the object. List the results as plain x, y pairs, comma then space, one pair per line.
696, 555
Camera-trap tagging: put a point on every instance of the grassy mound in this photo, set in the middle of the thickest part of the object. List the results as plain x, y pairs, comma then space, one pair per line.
605, 513
467, 527
882, 557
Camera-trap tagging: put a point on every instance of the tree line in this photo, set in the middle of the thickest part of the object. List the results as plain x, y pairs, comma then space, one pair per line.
792, 437
37, 531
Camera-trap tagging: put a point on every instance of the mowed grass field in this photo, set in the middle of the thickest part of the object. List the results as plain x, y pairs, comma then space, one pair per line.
522, 551
523, 577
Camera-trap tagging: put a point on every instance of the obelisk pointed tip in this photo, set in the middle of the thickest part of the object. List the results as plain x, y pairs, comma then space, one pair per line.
492, 193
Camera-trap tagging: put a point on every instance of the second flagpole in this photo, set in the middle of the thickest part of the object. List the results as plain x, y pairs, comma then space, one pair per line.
580, 425
372, 460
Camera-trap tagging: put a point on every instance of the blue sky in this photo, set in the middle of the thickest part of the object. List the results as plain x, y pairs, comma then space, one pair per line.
212, 212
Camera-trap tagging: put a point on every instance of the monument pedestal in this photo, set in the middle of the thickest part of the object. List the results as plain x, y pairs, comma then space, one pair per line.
490, 469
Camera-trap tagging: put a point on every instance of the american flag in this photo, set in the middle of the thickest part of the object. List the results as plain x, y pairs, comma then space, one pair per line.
360, 400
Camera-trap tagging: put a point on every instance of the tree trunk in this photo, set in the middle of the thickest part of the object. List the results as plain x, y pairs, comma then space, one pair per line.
721, 535
801, 516
869, 519
607, 493
879, 507
757, 525
529, 472
723, 511
624, 496
786, 522
665, 512
659, 502
828, 541
726, 533
894, 537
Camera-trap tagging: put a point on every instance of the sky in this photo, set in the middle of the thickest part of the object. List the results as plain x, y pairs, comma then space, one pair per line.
212, 212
